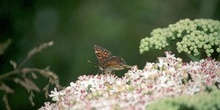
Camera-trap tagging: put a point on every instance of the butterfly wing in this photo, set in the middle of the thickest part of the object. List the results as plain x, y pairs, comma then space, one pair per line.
107, 62
102, 54
115, 63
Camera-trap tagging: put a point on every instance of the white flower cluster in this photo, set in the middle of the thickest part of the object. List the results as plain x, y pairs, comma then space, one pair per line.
137, 88
191, 37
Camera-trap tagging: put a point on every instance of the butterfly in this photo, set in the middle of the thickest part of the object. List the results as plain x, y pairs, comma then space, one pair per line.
108, 62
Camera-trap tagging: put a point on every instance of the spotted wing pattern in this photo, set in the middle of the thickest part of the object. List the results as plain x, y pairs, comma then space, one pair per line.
107, 62
102, 54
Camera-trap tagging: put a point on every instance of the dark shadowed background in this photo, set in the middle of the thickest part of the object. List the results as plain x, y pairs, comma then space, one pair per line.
76, 26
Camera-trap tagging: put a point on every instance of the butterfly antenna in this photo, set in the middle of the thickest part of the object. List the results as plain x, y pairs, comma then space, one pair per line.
92, 63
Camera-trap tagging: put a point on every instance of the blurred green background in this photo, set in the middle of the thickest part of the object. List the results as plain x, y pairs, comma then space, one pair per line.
77, 25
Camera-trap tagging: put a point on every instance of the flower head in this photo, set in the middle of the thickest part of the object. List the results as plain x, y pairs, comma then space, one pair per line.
138, 87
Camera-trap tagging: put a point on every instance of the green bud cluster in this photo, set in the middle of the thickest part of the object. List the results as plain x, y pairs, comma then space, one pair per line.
191, 37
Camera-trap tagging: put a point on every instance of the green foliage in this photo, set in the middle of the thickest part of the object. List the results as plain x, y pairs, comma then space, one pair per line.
201, 101
195, 38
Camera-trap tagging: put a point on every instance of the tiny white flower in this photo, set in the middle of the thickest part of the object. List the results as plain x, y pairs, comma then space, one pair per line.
56, 95
192, 89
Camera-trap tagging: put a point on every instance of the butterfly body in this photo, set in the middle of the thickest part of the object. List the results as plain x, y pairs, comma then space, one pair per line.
108, 62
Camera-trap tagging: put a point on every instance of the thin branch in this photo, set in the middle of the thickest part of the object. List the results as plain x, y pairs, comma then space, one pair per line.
34, 51
27, 83
30, 54
8, 74
5, 99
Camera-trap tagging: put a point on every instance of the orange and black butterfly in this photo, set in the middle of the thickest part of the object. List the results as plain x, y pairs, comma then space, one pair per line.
108, 62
